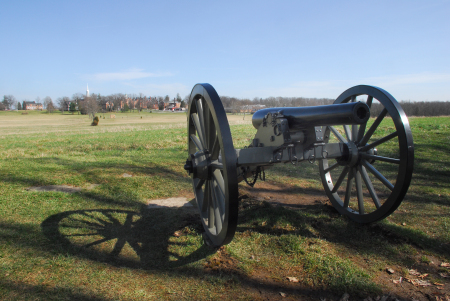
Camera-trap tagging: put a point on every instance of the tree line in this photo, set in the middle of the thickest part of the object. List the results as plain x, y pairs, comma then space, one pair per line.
98, 103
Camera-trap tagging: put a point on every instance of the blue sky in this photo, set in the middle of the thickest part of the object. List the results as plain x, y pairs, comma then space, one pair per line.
244, 49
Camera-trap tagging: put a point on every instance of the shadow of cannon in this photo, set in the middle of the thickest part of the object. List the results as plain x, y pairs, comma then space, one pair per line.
150, 239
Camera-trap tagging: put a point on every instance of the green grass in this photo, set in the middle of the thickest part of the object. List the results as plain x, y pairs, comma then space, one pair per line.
42, 233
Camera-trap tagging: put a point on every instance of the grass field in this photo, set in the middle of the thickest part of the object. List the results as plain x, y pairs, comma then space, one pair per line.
101, 243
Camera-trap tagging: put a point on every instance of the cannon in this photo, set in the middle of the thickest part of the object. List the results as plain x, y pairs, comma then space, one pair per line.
365, 164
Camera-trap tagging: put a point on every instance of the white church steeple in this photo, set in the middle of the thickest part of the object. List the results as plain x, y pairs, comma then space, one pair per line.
87, 90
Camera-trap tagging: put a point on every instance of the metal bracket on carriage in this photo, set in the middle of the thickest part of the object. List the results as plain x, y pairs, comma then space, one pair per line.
292, 156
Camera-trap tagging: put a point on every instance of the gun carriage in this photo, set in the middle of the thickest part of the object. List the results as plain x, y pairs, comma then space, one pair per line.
373, 157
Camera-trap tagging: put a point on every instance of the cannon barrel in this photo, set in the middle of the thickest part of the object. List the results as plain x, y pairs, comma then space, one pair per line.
301, 117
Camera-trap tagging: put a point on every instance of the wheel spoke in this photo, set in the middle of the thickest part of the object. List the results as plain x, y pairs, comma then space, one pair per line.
369, 186
216, 165
199, 183
379, 141
377, 174
348, 190
199, 129
215, 149
354, 132
199, 194
380, 158
369, 101
359, 192
362, 127
201, 117
331, 167
348, 133
340, 179
337, 134
374, 126
197, 142
210, 206
219, 179
218, 217
221, 200
207, 125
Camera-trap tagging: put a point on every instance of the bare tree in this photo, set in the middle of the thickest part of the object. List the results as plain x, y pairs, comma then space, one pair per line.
9, 101
50, 107
48, 104
63, 103
91, 106
46, 101
132, 104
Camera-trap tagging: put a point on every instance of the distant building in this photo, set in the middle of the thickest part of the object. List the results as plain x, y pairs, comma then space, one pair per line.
31, 105
173, 106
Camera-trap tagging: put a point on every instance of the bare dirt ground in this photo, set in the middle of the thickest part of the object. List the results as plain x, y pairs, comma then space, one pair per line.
395, 286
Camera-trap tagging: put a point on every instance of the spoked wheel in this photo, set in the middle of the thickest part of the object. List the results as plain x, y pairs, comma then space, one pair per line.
212, 165
369, 182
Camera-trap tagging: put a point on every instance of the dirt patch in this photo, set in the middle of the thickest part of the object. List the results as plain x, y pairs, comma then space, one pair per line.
171, 203
58, 188
284, 195
61, 188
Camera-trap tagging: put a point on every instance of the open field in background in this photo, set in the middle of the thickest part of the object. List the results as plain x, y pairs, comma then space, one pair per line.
137, 253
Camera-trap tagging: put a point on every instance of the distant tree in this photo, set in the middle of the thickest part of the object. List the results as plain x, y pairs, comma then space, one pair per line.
178, 97
91, 106
2, 106
50, 107
132, 105
46, 101
78, 98
19, 106
72, 107
125, 108
139, 103
63, 103
161, 105
183, 104
167, 99
9, 101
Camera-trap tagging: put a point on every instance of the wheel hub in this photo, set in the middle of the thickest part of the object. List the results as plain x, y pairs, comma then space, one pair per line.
351, 155
199, 164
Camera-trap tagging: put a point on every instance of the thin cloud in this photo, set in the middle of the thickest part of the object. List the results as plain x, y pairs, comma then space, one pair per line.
412, 79
161, 89
405, 86
124, 75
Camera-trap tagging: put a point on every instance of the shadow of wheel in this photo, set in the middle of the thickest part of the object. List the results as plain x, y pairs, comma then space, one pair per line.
125, 238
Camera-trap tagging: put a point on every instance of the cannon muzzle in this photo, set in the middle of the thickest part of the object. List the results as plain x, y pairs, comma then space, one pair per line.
302, 117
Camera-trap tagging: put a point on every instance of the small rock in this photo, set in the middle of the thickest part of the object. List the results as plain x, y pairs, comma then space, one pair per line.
125, 175
292, 279
390, 271
283, 294
344, 297
403, 224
